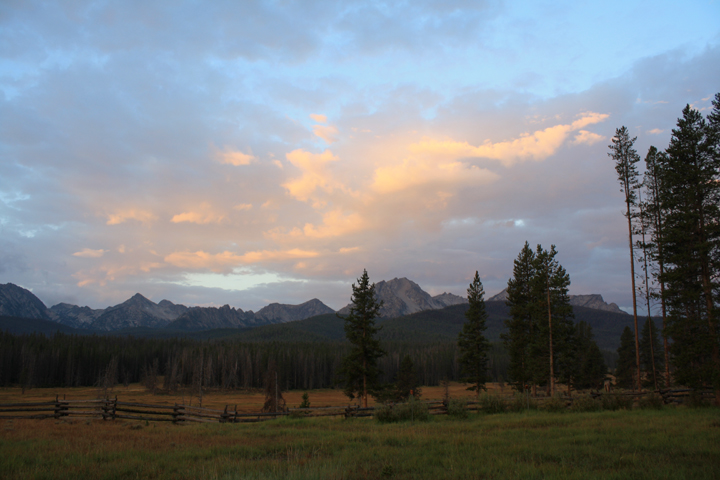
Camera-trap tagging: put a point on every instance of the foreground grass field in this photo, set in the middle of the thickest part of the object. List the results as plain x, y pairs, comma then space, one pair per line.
672, 443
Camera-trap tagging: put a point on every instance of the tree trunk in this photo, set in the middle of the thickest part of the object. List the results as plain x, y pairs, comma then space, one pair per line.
552, 366
634, 298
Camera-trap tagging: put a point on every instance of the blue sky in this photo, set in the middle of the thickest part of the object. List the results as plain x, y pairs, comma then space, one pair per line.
257, 152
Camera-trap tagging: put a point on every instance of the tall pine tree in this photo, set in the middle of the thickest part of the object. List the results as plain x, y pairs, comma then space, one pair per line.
521, 326
540, 337
626, 158
472, 343
360, 369
691, 244
655, 213
554, 343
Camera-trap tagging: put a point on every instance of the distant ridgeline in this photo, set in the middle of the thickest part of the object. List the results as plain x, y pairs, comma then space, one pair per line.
305, 341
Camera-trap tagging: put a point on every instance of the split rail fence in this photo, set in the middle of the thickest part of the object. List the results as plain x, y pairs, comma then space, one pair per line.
111, 409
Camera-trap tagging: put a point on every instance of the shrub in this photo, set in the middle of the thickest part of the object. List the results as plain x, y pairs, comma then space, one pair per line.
520, 403
457, 408
385, 414
616, 402
651, 402
696, 400
554, 404
412, 410
491, 403
585, 403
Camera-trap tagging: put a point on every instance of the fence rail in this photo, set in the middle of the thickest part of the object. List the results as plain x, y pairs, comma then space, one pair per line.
111, 409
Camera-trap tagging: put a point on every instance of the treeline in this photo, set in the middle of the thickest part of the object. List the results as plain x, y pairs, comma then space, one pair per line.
35, 360
673, 214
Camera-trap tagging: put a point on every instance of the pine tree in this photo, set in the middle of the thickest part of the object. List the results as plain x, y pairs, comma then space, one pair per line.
360, 368
472, 343
624, 370
691, 196
591, 368
652, 364
406, 384
553, 345
626, 158
655, 213
520, 326
645, 292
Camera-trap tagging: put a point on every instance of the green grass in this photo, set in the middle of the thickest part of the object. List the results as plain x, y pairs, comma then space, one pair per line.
665, 444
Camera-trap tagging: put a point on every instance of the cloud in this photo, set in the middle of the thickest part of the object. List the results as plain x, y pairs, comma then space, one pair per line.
587, 138
236, 158
142, 216
335, 224
538, 145
226, 261
314, 173
243, 206
89, 253
655, 131
422, 171
202, 216
326, 132
318, 118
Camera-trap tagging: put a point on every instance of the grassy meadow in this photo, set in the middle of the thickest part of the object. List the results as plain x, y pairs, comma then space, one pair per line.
672, 443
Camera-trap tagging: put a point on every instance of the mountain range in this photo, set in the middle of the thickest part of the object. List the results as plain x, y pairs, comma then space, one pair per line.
400, 297
594, 301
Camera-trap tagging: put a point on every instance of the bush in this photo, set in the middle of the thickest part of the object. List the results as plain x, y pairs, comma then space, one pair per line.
491, 403
616, 402
585, 403
554, 404
412, 410
651, 402
385, 414
696, 400
520, 403
457, 408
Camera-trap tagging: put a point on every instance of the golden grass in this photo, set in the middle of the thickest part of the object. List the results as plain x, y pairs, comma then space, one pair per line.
246, 401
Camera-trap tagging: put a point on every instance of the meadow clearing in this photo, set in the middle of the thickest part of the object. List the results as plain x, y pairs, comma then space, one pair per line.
672, 443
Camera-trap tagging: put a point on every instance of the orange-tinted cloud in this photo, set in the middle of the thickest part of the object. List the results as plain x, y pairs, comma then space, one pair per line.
587, 138
529, 146
89, 253
236, 158
202, 216
314, 173
335, 224
415, 172
326, 132
225, 261
122, 216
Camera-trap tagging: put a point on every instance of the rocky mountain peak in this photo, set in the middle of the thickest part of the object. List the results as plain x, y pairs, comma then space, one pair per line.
19, 302
448, 299
588, 301
401, 296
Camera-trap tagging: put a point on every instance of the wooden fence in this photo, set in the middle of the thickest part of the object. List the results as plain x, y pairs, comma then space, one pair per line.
111, 409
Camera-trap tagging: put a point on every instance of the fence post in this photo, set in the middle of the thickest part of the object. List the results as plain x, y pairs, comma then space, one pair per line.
105, 408
57, 408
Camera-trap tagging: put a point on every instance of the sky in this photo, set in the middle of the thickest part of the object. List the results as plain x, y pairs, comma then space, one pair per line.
246, 153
